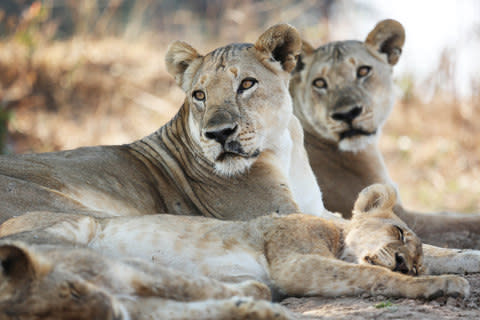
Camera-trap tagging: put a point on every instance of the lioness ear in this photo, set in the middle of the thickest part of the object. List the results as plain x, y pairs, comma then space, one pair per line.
281, 43
387, 37
180, 55
18, 262
374, 197
307, 50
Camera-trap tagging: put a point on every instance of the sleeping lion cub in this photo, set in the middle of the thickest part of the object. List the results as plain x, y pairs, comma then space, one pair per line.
294, 255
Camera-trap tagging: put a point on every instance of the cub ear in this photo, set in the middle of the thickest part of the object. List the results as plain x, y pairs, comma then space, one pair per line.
18, 262
375, 197
281, 43
180, 55
387, 37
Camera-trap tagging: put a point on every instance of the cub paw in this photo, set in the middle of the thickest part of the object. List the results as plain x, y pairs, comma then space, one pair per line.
245, 308
453, 286
255, 289
457, 287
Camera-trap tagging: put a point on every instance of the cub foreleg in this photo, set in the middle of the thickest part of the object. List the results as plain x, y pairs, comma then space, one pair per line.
313, 275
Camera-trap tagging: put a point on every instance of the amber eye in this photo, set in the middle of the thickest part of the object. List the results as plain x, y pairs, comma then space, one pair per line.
320, 83
198, 95
363, 71
246, 84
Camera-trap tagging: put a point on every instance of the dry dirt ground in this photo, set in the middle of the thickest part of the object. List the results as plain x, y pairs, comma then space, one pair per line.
380, 307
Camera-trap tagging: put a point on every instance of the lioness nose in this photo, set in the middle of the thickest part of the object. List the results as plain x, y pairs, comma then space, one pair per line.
221, 134
349, 115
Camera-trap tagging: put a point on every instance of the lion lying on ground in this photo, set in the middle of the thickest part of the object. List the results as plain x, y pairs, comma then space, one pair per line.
294, 255
343, 92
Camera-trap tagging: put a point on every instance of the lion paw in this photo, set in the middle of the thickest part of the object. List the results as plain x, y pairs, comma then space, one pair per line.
255, 289
453, 286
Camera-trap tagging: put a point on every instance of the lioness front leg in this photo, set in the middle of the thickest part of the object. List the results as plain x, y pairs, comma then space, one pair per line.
312, 275
172, 284
443, 260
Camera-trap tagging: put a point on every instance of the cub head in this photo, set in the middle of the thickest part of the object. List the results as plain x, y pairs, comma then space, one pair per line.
376, 236
343, 91
32, 287
237, 100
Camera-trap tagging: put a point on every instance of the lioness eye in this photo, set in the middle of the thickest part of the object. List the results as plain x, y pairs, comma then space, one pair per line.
199, 95
246, 84
401, 236
363, 71
320, 83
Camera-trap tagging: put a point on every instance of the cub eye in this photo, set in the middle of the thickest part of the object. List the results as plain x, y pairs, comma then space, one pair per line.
320, 83
246, 84
363, 71
198, 95
401, 236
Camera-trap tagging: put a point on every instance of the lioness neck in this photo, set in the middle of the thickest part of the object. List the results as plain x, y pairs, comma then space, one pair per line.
343, 174
172, 158
190, 185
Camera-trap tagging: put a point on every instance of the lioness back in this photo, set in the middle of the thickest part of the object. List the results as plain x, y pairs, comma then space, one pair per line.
111, 180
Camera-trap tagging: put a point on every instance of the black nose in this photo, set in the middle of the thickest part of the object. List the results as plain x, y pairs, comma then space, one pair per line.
400, 264
221, 134
349, 115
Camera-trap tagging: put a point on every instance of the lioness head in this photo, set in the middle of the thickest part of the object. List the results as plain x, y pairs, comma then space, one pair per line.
32, 287
343, 90
376, 236
237, 96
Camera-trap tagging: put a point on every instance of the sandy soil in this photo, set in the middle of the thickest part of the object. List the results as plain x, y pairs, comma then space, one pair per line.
380, 307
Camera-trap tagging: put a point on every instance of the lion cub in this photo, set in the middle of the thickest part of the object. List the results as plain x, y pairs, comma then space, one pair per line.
295, 255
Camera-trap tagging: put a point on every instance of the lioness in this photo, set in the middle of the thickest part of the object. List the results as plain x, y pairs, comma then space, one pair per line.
63, 282
343, 92
233, 151
297, 254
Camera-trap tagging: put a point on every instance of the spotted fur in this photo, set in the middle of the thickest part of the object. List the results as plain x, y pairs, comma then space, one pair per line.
294, 255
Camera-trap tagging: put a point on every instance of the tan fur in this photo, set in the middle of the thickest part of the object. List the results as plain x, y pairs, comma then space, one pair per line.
62, 282
344, 167
260, 168
299, 255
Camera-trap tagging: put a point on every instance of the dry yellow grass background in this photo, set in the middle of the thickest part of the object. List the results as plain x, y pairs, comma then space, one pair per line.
100, 86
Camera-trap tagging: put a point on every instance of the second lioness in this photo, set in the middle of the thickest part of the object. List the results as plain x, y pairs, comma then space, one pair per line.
343, 92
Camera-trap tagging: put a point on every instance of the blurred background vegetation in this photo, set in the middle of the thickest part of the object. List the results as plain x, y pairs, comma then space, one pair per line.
75, 73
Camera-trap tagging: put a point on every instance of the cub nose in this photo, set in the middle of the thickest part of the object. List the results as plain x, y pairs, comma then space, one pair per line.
221, 134
349, 115
400, 264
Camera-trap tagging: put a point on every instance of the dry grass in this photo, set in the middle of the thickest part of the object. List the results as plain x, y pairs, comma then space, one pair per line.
433, 153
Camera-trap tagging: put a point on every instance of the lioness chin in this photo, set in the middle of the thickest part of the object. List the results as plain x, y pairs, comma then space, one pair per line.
294, 255
343, 92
